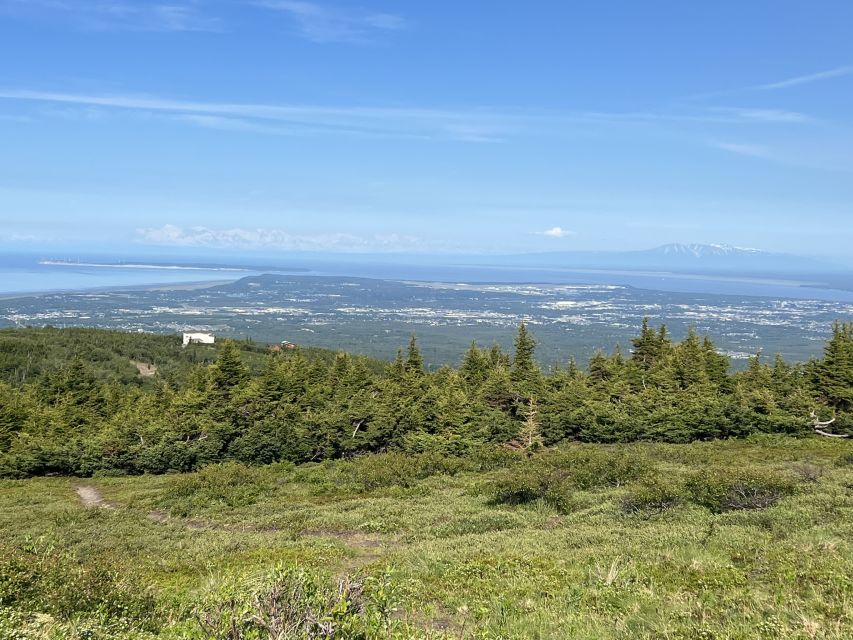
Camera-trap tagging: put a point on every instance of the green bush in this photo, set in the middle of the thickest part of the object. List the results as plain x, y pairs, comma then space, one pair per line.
727, 489
845, 459
531, 483
595, 467
230, 484
652, 496
553, 476
383, 470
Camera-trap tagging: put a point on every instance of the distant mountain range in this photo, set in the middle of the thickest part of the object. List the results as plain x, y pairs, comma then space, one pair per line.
691, 258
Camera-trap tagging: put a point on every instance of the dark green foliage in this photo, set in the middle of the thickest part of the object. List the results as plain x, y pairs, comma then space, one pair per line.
834, 375
525, 372
845, 459
730, 489
414, 360
392, 469
75, 403
652, 496
525, 485
553, 476
229, 484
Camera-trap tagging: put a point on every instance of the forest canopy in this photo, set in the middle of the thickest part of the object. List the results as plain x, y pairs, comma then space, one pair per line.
81, 402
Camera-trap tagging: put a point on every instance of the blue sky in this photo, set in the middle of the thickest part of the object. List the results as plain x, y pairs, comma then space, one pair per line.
283, 125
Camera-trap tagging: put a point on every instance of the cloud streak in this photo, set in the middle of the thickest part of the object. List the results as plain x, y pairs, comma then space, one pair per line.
772, 116
264, 238
117, 15
325, 24
838, 72
470, 125
745, 149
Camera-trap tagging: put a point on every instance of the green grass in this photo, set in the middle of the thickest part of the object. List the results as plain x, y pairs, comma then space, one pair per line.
615, 560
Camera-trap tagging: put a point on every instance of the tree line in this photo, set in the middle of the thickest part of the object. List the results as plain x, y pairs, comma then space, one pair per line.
86, 412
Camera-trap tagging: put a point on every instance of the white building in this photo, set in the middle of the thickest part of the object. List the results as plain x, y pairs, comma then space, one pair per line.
198, 337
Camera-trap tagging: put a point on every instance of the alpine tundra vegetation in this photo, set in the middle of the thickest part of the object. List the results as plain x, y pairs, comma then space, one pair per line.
244, 493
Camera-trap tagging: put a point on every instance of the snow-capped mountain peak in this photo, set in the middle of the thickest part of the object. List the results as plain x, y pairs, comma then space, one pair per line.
705, 250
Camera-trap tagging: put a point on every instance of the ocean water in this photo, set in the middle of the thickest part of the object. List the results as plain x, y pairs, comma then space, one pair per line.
23, 274
26, 274
671, 282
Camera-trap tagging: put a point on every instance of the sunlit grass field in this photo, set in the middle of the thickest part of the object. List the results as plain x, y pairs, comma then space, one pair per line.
448, 549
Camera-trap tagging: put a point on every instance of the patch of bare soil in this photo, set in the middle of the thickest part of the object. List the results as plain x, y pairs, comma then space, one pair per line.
92, 498
145, 370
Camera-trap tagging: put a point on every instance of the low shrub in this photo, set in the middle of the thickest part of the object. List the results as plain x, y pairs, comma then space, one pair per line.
230, 484
293, 604
393, 469
652, 496
37, 578
725, 489
845, 459
531, 483
595, 467
396, 469
808, 472
552, 476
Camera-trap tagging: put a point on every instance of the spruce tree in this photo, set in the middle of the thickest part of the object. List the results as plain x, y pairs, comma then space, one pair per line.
414, 360
524, 368
835, 373
647, 347
229, 370
475, 366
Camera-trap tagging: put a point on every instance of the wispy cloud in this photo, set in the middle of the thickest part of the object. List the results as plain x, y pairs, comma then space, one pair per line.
744, 149
263, 238
806, 79
468, 125
555, 232
464, 124
117, 15
829, 74
775, 116
816, 156
328, 24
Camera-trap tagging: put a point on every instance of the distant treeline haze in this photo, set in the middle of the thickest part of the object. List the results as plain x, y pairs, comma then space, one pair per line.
74, 401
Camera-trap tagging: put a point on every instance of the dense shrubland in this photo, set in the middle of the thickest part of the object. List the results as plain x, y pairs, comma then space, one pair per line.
71, 403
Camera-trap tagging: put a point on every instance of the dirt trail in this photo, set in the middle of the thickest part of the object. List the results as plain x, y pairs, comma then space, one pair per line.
92, 498
368, 548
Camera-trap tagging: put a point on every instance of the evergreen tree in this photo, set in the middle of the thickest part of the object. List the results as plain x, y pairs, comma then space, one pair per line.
716, 364
397, 369
497, 358
414, 360
648, 346
600, 369
229, 370
524, 371
835, 373
690, 361
475, 366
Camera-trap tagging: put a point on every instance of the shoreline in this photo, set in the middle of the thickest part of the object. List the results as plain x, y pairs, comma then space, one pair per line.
138, 265
176, 286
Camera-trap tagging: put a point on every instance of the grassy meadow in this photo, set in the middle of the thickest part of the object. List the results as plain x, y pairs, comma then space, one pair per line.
726, 539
